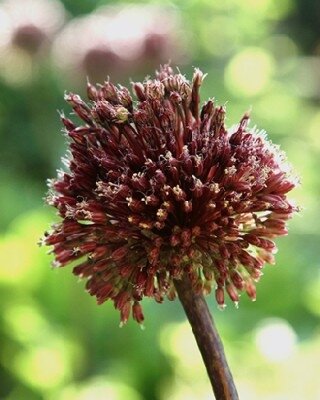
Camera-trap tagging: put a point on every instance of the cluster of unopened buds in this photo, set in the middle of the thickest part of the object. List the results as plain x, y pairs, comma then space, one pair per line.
160, 188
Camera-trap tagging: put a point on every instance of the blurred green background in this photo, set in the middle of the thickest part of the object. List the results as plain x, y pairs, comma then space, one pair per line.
55, 343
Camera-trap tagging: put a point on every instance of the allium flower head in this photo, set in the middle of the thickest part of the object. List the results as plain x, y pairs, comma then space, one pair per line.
160, 188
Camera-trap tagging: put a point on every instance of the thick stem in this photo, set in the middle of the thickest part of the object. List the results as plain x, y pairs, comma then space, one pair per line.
208, 340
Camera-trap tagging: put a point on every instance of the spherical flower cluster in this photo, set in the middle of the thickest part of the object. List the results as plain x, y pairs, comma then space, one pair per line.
160, 189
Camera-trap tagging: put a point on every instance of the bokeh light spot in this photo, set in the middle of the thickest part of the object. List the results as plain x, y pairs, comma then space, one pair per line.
276, 339
175, 339
314, 130
222, 41
16, 67
282, 47
249, 72
312, 295
19, 253
43, 367
98, 388
271, 9
24, 322
15, 258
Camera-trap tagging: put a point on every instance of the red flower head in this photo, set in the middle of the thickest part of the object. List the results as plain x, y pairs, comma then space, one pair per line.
159, 189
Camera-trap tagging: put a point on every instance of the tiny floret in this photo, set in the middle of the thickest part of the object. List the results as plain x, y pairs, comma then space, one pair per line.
159, 188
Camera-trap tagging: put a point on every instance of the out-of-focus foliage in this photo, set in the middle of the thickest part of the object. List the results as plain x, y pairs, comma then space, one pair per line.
56, 344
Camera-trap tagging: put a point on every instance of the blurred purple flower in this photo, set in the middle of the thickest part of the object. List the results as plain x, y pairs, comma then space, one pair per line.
162, 188
29, 24
118, 40
27, 28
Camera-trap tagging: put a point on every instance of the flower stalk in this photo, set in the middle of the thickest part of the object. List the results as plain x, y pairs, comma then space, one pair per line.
208, 340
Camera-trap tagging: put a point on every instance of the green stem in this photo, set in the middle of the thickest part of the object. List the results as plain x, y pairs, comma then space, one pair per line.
208, 340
